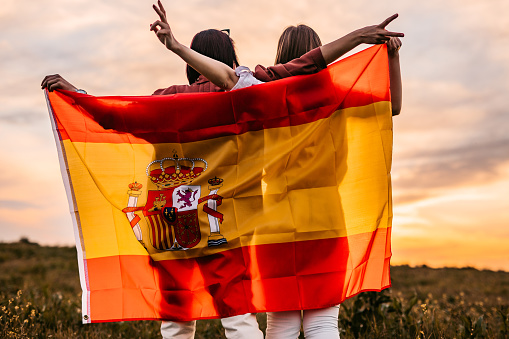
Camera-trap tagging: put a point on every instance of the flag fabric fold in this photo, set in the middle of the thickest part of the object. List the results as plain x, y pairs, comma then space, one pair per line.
275, 197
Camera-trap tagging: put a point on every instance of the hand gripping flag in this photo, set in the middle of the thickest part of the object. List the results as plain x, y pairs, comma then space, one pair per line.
275, 197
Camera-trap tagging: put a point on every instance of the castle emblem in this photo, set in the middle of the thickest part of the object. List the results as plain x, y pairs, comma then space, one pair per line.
171, 211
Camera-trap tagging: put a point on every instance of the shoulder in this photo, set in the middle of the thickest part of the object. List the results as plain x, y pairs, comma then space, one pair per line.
310, 63
201, 85
167, 91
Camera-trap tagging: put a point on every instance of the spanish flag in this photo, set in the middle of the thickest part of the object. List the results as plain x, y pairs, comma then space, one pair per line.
275, 197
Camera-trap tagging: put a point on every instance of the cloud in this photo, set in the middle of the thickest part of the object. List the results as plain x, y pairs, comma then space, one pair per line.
452, 167
452, 132
21, 118
17, 205
409, 197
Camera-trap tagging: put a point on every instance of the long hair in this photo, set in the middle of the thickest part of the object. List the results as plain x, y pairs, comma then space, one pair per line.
295, 42
216, 45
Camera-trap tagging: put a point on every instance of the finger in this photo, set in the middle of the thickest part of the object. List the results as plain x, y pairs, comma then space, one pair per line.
54, 86
161, 6
48, 80
161, 36
388, 20
44, 80
394, 45
48, 77
51, 82
162, 16
394, 34
153, 27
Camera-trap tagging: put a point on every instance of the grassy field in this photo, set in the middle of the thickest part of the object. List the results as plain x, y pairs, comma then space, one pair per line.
40, 297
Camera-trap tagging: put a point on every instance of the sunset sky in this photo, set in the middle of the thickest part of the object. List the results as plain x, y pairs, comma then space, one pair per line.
451, 141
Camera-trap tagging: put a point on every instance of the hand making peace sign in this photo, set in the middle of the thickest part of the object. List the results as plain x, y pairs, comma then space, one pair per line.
377, 34
162, 29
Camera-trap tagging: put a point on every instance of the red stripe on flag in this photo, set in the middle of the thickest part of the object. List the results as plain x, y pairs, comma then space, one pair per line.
200, 116
153, 228
272, 277
159, 229
164, 229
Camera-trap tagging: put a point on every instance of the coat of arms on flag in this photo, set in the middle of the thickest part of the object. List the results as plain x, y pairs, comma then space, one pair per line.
171, 212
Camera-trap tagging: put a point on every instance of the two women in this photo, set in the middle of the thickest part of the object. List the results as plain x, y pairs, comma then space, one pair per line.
227, 78
213, 62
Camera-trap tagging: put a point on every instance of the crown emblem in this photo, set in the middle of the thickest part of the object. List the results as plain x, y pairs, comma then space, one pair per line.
215, 181
135, 186
173, 172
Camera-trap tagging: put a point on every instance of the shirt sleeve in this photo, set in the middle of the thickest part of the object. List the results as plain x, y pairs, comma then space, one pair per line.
166, 91
309, 63
246, 78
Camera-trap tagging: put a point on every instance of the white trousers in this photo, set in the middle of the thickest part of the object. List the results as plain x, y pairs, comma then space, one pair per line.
317, 324
242, 326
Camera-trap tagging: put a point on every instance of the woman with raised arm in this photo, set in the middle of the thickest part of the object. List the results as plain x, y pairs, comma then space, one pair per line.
230, 79
212, 43
295, 41
218, 46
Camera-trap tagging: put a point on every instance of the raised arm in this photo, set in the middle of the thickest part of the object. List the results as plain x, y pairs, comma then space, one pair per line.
393, 47
217, 72
376, 34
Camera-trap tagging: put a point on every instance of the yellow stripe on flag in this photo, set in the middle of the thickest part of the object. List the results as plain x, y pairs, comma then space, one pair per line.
274, 179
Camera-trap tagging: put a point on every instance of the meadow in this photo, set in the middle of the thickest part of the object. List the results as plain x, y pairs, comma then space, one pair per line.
40, 297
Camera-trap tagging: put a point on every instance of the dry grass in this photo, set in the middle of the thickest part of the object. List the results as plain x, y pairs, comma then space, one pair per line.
40, 297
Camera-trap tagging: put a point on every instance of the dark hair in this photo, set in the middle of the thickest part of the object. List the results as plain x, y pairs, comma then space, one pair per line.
295, 42
216, 45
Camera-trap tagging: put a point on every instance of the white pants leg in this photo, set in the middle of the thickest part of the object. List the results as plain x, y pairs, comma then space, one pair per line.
317, 324
243, 326
321, 323
283, 325
178, 330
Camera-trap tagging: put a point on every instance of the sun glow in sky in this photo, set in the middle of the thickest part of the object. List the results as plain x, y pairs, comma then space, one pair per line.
451, 141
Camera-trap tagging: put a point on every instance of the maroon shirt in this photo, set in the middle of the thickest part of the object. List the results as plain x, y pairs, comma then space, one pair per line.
309, 63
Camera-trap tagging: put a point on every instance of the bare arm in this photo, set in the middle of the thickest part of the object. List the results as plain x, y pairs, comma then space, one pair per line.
217, 72
393, 47
376, 34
